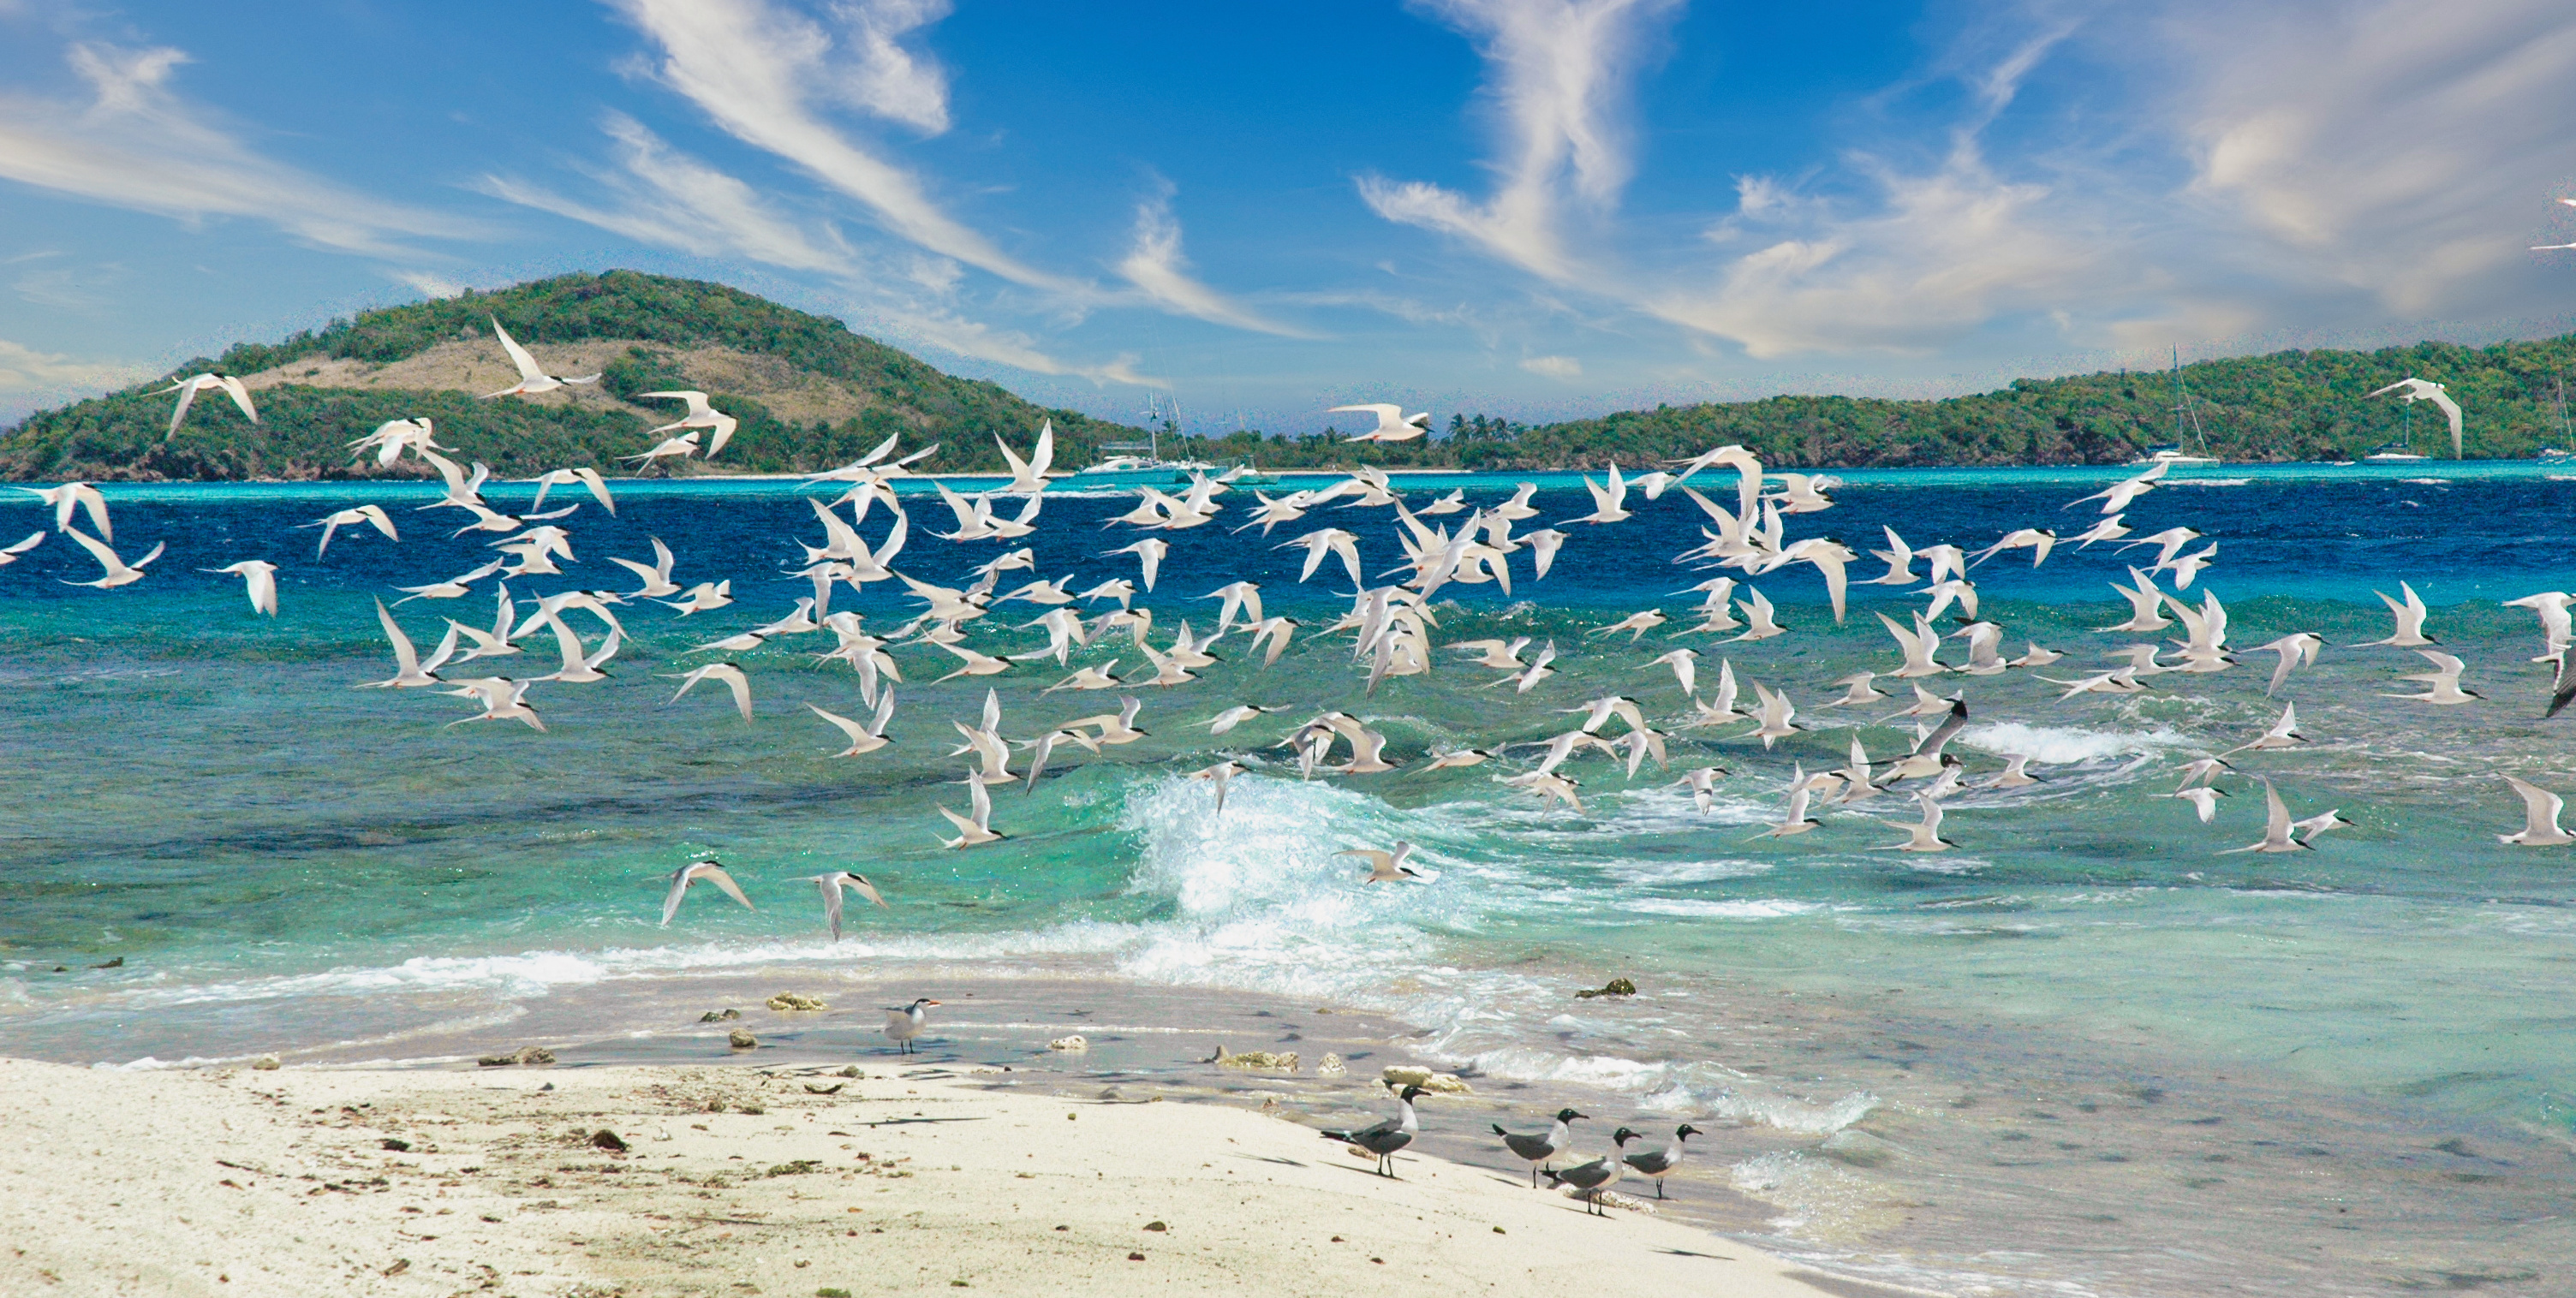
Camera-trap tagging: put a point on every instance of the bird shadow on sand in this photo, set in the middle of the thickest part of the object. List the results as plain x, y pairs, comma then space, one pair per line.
1267, 1158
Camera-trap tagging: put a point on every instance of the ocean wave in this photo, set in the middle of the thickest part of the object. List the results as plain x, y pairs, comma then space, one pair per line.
2068, 745
537, 973
1766, 908
1668, 873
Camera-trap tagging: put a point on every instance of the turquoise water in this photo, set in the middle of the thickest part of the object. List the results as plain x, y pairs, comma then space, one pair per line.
283, 862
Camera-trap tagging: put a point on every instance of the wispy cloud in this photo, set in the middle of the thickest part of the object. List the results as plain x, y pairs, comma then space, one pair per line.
890, 80
1010, 347
429, 284
2402, 149
757, 71
1554, 367
669, 199
29, 378
660, 196
138, 145
1157, 269
1559, 76
2382, 164
1936, 255
1942, 254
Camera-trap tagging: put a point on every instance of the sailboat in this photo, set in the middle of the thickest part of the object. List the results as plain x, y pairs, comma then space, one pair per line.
1124, 466
2401, 451
2567, 430
2173, 452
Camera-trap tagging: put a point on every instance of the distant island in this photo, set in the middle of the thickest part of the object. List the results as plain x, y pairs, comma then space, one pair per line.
811, 394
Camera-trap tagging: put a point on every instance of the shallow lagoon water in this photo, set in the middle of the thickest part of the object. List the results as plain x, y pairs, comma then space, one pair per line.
2095, 1054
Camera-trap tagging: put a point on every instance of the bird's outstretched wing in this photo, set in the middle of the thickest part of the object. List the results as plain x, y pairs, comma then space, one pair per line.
528, 368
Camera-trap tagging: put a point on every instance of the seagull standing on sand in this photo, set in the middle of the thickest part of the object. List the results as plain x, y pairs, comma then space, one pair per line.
1387, 1138
832, 884
711, 870
904, 1022
1541, 1149
1595, 1178
1656, 1163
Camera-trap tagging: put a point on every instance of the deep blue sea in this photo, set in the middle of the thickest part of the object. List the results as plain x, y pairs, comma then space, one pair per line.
2092, 1053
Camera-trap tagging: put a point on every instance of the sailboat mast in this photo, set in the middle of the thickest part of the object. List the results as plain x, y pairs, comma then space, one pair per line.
2178, 395
2183, 410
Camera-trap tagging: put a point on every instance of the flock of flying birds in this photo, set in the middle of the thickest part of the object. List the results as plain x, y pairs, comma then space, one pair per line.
1389, 627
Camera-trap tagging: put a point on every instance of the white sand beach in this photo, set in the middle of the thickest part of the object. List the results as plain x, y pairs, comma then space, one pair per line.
740, 1181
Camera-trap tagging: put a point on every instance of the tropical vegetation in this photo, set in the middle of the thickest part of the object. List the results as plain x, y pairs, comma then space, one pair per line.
2289, 405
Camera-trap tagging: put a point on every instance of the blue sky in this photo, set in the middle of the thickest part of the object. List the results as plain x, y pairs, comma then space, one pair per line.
1537, 208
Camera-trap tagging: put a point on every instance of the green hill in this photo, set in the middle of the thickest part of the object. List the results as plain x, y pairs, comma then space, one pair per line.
2291, 405
811, 394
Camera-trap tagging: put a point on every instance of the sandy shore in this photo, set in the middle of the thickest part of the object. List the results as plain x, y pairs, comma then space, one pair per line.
776, 1181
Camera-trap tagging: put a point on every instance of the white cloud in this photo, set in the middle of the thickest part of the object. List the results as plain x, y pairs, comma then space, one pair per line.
429, 284
1944, 253
756, 70
1559, 72
1158, 270
30, 378
1554, 367
2376, 166
2401, 149
889, 80
672, 200
1009, 347
668, 199
138, 145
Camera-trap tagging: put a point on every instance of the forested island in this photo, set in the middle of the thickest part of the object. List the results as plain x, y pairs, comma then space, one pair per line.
811, 394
